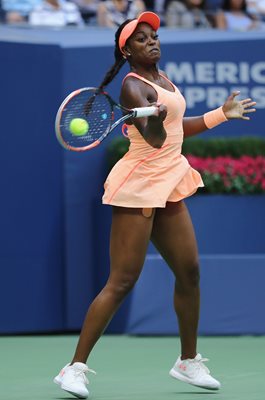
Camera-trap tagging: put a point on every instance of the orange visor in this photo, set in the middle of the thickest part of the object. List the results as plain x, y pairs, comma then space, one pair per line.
149, 17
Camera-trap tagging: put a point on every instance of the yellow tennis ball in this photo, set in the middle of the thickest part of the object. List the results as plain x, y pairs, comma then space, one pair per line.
79, 126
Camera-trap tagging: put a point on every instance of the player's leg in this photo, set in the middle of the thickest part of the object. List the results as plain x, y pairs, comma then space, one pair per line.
174, 237
130, 234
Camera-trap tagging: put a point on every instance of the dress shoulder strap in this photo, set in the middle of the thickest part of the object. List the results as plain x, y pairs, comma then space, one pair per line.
138, 77
154, 85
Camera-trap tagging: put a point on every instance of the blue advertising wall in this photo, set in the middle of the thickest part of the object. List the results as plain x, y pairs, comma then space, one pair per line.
31, 239
54, 230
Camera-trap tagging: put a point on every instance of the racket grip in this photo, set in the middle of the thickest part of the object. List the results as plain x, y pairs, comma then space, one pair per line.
144, 111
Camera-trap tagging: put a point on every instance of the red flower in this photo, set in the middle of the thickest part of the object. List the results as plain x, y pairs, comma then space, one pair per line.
226, 174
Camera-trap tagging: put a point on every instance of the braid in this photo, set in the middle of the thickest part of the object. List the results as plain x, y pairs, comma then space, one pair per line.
112, 72
119, 59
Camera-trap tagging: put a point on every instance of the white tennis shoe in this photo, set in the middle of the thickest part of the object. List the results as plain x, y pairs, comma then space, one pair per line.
194, 371
73, 379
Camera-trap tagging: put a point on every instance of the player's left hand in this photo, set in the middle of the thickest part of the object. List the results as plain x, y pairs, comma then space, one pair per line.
237, 109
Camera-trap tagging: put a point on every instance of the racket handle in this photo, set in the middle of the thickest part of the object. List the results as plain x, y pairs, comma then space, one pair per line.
144, 111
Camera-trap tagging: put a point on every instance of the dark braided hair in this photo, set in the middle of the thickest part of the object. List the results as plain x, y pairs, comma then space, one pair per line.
112, 72
119, 58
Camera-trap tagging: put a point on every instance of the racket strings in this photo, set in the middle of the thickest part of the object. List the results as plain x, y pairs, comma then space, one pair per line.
89, 104
95, 109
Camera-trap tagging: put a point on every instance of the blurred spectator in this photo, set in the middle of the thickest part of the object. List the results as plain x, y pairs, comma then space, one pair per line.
112, 13
56, 13
2, 13
17, 11
256, 8
211, 9
213, 4
234, 16
154, 5
88, 9
157, 6
187, 14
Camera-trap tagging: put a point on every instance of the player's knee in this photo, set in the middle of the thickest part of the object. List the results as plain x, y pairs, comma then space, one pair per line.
123, 286
127, 284
194, 274
190, 277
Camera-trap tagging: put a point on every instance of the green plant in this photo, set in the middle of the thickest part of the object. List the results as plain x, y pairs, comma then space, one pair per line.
219, 146
116, 150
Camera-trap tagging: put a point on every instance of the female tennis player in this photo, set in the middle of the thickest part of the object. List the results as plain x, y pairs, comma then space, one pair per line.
146, 189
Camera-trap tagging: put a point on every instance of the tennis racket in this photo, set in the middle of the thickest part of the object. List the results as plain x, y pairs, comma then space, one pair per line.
92, 111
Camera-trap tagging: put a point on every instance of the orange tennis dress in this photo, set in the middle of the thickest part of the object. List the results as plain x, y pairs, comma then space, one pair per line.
147, 177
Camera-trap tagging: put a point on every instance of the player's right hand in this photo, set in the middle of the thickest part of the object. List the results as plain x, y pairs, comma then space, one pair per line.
161, 111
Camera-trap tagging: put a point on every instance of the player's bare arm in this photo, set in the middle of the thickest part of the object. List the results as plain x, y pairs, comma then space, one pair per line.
135, 93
